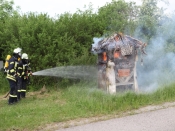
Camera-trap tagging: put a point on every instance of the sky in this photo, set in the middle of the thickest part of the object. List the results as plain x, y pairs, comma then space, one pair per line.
54, 7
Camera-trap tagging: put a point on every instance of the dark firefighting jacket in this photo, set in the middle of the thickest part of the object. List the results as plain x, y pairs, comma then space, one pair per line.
19, 68
26, 71
11, 72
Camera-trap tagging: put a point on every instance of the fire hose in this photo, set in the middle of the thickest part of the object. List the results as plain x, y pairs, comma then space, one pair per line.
6, 95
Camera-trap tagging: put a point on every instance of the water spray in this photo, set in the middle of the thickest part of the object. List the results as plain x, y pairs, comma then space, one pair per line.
72, 72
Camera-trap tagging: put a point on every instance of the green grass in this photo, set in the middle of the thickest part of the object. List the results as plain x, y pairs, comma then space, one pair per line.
78, 101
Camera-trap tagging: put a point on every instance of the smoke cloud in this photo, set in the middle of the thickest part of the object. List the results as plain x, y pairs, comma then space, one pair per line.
159, 63
158, 69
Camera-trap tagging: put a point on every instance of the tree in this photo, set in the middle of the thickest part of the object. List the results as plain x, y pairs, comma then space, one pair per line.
117, 16
149, 18
6, 9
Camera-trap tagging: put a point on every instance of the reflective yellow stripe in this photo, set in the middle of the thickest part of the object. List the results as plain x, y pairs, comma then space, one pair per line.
16, 63
19, 90
12, 62
19, 74
11, 77
20, 68
12, 70
13, 95
23, 68
23, 90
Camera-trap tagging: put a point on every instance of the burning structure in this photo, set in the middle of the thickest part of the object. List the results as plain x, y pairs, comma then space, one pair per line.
117, 57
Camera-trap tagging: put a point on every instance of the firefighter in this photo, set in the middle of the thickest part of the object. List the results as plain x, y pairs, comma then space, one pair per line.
25, 74
12, 75
19, 78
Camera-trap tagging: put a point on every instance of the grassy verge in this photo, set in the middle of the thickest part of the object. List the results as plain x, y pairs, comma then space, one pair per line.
78, 101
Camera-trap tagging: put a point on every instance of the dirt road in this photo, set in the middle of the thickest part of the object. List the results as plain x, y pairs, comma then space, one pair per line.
151, 118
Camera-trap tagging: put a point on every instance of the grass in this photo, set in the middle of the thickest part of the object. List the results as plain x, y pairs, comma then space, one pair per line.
77, 101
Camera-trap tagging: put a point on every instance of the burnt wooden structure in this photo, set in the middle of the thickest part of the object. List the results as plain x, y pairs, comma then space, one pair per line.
123, 51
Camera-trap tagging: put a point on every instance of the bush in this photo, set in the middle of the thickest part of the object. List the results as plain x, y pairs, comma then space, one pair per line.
4, 85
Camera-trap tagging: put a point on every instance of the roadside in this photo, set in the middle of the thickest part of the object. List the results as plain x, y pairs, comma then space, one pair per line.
83, 121
157, 120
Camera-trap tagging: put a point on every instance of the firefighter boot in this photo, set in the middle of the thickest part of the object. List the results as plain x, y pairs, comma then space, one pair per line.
19, 96
10, 101
15, 99
23, 94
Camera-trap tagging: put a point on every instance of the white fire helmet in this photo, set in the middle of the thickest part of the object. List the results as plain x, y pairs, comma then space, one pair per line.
17, 51
24, 56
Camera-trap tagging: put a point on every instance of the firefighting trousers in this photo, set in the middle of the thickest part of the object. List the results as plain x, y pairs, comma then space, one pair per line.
19, 85
13, 91
23, 88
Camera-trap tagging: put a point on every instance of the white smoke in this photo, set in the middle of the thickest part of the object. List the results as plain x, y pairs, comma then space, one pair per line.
95, 44
159, 64
158, 69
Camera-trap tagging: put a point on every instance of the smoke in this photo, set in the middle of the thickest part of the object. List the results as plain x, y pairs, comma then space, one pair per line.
157, 71
95, 44
158, 68
159, 63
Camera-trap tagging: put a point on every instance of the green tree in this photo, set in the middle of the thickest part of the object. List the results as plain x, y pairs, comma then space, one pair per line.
51, 42
149, 18
118, 16
6, 8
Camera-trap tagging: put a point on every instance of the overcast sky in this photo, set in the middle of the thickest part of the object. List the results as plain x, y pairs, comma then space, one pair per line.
53, 7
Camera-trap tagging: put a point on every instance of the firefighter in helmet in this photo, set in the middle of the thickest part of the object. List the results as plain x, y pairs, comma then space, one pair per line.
19, 71
12, 75
25, 74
